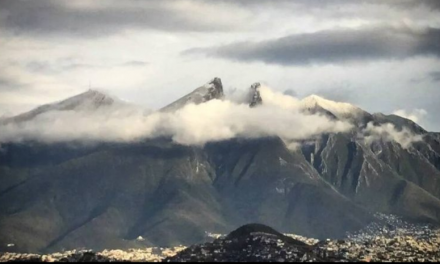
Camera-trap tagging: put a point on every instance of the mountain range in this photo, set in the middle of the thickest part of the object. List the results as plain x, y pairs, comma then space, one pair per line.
155, 192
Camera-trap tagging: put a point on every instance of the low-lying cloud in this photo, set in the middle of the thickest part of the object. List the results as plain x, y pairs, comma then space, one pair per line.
388, 133
215, 120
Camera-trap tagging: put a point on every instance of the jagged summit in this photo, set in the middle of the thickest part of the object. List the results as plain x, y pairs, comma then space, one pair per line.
211, 90
217, 84
215, 89
254, 95
86, 101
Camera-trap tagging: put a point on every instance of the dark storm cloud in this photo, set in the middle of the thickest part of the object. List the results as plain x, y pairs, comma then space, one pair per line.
333, 46
303, 3
101, 18
435, 76
432, 4
56, 17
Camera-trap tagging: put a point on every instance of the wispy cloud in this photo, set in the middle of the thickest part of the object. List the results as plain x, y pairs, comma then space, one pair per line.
388, 133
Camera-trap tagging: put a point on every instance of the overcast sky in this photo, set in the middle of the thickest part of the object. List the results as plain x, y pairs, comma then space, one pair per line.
383, 56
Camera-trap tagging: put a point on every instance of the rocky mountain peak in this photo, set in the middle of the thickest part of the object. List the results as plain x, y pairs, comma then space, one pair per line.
217, 82
212, 90
86, 101
93, 97
215, 89
254, 95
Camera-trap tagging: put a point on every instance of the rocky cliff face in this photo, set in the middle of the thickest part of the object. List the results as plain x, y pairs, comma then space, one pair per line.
254, 95
382, 175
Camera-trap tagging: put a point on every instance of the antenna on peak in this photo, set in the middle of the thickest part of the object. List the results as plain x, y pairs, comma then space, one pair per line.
90, 88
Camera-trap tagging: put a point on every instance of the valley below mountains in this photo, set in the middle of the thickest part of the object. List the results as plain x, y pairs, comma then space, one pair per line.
156, 191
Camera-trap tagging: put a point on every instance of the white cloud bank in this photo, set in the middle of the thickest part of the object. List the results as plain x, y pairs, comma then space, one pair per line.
216, 120
388, 132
